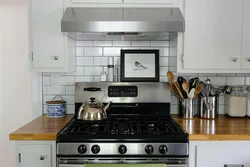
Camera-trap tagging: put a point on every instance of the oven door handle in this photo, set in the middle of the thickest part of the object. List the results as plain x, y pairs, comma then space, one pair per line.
71, 165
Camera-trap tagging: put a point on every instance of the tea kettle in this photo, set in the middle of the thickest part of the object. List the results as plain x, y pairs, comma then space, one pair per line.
93, 110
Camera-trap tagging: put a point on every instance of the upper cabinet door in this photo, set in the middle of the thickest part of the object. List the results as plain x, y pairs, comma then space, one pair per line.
96, 1
212, 39
246, 36
150, 1
47, 38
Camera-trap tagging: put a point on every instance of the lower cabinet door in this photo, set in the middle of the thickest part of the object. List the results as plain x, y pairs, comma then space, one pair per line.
35, 156
223, 156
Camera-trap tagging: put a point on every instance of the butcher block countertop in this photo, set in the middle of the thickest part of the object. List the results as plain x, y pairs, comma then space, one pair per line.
41, 128
222, 128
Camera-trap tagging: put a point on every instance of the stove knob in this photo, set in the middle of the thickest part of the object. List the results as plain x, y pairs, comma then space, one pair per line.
82, 149
122, 149
149, 149
95, 149
163, 149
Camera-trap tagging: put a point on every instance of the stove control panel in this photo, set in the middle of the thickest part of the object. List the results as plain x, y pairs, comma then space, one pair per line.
122, 91
150, 149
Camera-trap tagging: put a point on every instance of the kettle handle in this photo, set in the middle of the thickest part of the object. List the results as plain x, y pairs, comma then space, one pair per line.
92, 99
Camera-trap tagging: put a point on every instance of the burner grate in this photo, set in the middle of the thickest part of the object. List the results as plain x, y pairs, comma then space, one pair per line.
88, 127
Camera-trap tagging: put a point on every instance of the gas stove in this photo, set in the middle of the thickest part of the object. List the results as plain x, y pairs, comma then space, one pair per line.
138, 128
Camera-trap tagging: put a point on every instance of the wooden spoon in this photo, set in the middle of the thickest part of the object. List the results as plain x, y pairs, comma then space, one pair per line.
171, 78
198, 90
174, 90
186, 86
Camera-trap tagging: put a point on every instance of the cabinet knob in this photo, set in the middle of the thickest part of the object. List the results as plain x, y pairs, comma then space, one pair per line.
248, 59
56, 57
42, 157
235, 59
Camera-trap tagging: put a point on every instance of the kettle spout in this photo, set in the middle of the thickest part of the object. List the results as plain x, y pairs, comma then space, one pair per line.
107, 106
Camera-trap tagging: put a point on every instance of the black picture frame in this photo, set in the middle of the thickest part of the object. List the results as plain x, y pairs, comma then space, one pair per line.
139, 67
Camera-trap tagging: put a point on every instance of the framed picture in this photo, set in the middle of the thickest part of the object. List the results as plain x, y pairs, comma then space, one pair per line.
139, 65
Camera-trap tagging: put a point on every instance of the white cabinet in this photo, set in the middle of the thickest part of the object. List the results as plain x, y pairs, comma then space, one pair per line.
219, 153
151, 1
48, 45
246, 36
212, 39
96, 1
36, 153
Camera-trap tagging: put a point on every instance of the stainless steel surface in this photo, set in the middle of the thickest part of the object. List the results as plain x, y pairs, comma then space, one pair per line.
147, 92
153, 21
93, 111
227, 165
209, 107
76, 161
187, 108
176, 149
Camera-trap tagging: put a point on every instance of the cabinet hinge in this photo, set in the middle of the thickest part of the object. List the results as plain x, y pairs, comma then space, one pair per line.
32, 56
19, 157
182, 58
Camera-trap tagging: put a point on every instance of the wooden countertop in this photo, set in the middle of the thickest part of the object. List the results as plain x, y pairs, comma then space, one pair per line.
222, 128
41, 128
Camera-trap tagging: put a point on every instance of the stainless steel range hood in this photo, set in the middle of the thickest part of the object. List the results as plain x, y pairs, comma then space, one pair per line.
123, 23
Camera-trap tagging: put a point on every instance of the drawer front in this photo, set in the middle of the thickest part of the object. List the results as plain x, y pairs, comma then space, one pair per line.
222, 156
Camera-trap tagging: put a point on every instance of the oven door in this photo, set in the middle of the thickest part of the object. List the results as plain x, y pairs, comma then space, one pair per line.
124, 162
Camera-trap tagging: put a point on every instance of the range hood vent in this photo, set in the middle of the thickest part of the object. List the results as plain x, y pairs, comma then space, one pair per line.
123, 23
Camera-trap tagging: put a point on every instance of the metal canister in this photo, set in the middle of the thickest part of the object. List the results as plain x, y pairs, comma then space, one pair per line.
187, 108
209, 107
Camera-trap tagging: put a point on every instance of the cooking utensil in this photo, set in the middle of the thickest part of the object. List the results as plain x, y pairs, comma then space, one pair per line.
191, 93
171, 78
93, 110
198, 89
174, 90
180, 80
185, 86
208, 87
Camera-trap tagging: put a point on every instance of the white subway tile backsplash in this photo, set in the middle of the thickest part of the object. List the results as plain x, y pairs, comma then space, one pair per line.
92, 51
102, 43
70, 109
84, 79
121, 43
79, 51
70, 90
163, 71
117, 61
164, 51
51, 90
163, 61
66, 80
235, 80
46, 80
79, 71
159, 43
111, 51
140, 43
93, 70
172, 61
92, 58
131, 48
84, 61
218, 80
100, 61
84, 43
221, 109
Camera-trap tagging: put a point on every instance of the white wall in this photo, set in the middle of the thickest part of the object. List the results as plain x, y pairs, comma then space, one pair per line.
15, 80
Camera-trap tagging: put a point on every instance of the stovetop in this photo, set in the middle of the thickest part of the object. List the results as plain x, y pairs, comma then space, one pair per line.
124, 128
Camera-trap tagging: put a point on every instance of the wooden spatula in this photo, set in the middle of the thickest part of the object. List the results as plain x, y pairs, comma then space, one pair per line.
171, 78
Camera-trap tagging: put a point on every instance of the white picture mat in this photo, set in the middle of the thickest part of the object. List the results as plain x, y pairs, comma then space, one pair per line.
147, 60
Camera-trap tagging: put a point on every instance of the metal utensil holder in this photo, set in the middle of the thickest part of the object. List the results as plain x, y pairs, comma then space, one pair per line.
209, 107
187, 108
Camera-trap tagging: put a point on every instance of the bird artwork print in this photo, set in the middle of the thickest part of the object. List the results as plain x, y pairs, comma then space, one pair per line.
139, 66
